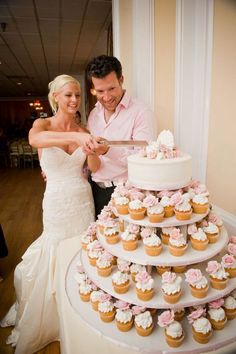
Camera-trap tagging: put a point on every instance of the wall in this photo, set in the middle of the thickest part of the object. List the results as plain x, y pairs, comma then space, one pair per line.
221, 170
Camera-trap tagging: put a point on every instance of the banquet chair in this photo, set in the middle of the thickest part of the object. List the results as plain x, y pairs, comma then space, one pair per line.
29, 155
15, 155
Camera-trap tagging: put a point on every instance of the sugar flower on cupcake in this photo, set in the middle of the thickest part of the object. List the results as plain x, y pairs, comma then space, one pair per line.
198, 238
215, 219
104, 264
95, 298
183, 209
231, 248
218, 275
80, 276
95, 250
85, 289
106, 308
134, 229
129, 240
135, 269
212, 232
216, 314
144, 286
174, 334
201, 326
197, 282
147, 231
229, 263
123, 265
171, 287
177, 243
124, 316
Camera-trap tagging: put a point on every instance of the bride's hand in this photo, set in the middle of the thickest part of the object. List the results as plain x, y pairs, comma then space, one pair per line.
89, 145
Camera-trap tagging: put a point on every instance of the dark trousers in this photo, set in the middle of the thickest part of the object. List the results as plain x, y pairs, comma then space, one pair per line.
3, 246
101, 196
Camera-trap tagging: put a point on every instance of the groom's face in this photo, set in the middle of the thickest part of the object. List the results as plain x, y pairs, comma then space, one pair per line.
109, 90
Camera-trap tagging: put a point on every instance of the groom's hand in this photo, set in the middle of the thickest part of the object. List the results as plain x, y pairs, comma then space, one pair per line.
100, 146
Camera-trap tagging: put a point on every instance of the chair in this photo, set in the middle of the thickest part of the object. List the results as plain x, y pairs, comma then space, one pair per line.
29, 155
15, 155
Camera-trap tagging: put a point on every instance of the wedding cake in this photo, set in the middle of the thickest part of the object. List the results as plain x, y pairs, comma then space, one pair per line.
158, 262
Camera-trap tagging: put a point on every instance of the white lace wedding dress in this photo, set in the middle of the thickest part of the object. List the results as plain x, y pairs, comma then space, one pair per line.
68, 210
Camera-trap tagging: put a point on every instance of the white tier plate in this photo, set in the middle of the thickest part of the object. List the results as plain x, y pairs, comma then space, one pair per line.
168, 222
153, 344
186, 300
191, 256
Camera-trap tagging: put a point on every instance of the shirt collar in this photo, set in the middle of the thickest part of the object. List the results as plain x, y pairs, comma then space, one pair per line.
125, 101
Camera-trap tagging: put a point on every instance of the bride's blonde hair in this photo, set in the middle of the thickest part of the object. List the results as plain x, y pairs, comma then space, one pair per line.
56, 85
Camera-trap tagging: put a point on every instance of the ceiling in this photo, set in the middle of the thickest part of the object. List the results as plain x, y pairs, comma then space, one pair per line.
40, 39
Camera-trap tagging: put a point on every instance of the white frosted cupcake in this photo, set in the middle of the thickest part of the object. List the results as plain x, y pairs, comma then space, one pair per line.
144, 323
129, 240
183, 210
156, 213
136, 209
121, 204
85, 290
216, 314
144, 286
111, 232
120, 282
230, 307
124, 316
212, 232
174, 334
199, 240
218, 275
200, 203
201, 326
106, 308
153, 245
95, 250
171, 287
104, 264
95, 298
177, 243
229, 263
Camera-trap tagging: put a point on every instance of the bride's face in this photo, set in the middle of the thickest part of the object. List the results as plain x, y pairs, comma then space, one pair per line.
68, 98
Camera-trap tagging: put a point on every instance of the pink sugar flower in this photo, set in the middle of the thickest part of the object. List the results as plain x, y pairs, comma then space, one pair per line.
80, 268
143, 277
93, 286
111, 223
232, 248
150, 200
136, 310
136, 195
212, 267
166, 318
216, 304
92, 229
165, 193
200, 189
168, 277
96, 246
232, 239
122, 305
193, 276
123, 267
192, 229
133, 229
196, 314
228, 260
204, 223
175, 234
176, 198
107, 256
105, 297
151, 154
194, 184
214, 219
146, 232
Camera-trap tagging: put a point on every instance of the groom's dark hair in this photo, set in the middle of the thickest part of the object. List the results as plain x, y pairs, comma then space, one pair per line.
103, 65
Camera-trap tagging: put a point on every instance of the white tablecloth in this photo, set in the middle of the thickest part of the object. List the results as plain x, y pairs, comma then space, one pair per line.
76, 336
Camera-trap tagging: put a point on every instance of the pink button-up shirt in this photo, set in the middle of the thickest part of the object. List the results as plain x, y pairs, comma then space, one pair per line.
132, 120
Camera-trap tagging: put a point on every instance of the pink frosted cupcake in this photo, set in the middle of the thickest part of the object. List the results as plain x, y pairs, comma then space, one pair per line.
218, 275
154, 213
212, 232
230, 307
124, 316
201, 326
123, 265
143, 323
153, 245
129, 240
135, 269
165, 234
177, 243
197, 282
216, 314
229, 263
144, 286
106, 308
171, 287
134, 229
120, 282
136, 209
95, 250
174, 334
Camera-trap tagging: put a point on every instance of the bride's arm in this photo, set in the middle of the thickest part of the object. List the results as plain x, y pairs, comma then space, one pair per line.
40, 136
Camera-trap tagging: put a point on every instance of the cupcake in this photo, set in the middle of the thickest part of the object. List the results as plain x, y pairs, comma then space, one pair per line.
144, 286
80, 275
136, 209
174, 334
95, 298
85, 240
215, 220
120, 282
231, 248
124, 316
183, 210
212, 232
201, 326
162, 269
179, 313
106, 308
230, 307
199, 240
229, 263
177, 243
152, 244
121, 204
200, 203
123, 265
168, 206
111, 232
135, 269
179, 269
171, 287
216, 314
134, 229
218, 275
129, 241
155, 211
144, 323
197, 282
104, 217
85, 290
95, 250
165, 234
104, 264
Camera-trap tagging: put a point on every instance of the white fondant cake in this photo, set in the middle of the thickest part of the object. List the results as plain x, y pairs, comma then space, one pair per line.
156, 174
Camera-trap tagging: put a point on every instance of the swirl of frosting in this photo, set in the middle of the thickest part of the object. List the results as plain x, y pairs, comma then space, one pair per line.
217, 314
106, 306
202, 325
230, 303
174, 330
128, 236
152, 240
121, 201
123, 316
136, 204
120, 277
144, 320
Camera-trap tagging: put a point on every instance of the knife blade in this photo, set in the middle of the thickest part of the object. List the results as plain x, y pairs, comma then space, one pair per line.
124, 142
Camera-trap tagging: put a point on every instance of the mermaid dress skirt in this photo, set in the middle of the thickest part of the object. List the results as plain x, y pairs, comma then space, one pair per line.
68, 209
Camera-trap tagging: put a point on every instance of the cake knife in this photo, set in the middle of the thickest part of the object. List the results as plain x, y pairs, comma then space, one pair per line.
118, 143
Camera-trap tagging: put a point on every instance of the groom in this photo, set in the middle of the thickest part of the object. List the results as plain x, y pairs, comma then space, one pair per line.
116, 116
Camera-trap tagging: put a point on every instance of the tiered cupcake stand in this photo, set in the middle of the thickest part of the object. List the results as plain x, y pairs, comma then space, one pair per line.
155, 343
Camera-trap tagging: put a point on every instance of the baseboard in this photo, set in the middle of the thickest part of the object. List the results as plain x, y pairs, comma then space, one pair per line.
228, 219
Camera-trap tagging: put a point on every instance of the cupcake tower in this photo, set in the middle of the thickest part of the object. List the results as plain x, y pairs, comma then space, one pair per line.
159, 263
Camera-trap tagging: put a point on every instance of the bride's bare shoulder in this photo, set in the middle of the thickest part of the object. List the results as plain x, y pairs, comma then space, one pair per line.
44, 123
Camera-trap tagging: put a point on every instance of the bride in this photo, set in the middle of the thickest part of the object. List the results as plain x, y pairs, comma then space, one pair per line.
68, 210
